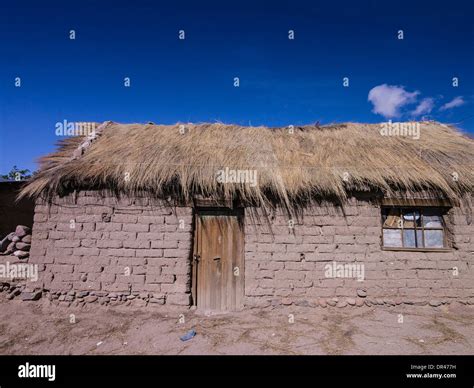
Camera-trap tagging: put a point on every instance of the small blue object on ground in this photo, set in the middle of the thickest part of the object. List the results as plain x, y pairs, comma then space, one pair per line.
190, 334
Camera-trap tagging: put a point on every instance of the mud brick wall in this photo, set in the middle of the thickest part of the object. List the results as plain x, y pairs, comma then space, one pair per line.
92, 248
98, 248
287, 265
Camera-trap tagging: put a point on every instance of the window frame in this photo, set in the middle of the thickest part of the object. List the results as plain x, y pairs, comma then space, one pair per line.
420, 208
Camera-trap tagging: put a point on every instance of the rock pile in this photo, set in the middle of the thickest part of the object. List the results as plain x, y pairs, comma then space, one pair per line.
11, 290
82, 298
17, 243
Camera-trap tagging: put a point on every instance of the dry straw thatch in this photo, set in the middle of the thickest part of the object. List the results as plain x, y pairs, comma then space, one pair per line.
313, 161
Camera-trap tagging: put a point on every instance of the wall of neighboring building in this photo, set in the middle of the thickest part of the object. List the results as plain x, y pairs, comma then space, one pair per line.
287, 265
101, 249
13, 213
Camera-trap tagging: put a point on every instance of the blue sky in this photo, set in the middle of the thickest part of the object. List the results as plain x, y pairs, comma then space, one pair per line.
282, 81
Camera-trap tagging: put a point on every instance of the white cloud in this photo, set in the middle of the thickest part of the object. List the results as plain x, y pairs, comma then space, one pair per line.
424, 107
387, 99
458, 101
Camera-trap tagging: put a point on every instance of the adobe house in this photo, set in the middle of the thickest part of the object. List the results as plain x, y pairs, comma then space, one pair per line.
226, 217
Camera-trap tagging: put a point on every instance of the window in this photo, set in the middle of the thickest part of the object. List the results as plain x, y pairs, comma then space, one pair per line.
413, 228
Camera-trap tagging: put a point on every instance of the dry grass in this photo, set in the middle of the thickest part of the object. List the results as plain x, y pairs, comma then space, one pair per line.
291, 168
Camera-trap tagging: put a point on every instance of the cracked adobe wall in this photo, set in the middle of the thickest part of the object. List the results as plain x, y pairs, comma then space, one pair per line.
287, 265
137, 251
95, 247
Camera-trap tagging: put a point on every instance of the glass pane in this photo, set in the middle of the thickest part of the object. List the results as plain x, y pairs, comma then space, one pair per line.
432, 219
419, 238
392, 238
434, 239
392, 219
409, 238
411, 218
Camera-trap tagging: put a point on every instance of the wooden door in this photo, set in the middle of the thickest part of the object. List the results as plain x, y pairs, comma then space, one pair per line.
218, 269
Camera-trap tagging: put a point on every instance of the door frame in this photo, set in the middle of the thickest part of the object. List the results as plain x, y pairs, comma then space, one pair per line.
218, 211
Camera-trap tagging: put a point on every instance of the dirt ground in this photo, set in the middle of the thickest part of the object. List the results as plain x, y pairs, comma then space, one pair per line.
38, 328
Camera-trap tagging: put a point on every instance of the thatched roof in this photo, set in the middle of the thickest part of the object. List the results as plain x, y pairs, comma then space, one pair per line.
291, 165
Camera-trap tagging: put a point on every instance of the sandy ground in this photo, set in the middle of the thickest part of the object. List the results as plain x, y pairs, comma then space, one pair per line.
36, 328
